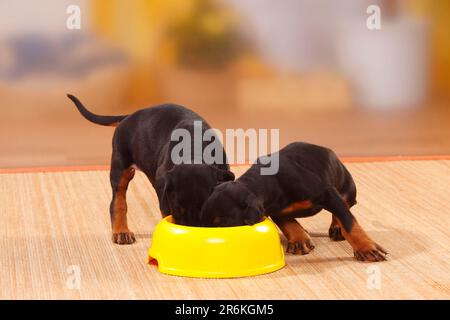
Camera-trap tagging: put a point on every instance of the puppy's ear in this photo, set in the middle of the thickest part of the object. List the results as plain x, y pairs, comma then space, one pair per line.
224, 175
254, 202
203, 216
163, 188
254, 211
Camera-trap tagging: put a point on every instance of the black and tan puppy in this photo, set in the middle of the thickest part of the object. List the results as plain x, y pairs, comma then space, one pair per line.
143, 140
310, 178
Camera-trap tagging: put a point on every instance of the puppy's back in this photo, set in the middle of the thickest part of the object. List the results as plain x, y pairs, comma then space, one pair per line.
321, 161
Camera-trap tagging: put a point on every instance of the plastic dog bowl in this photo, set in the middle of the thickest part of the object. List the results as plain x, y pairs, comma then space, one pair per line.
216, 252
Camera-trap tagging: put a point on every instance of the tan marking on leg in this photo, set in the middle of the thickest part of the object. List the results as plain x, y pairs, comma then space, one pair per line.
299, 241
365, 249
121, 233
334, 232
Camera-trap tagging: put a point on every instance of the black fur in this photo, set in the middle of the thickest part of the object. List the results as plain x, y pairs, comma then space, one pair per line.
310, 178
142, 139
307, 172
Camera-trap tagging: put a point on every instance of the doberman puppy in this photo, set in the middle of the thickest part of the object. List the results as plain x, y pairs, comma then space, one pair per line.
142, 140
310, 178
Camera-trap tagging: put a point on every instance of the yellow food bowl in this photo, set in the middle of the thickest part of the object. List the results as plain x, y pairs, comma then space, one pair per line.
216, 252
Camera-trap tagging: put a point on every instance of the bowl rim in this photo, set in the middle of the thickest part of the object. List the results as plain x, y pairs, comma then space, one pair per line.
187, 270
169, 220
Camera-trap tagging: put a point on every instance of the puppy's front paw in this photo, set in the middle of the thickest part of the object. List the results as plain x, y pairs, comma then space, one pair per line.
300, 247
335, 233
371, 252
123, 238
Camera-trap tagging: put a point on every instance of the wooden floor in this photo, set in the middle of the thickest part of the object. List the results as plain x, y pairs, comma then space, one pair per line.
51, 221
30, 140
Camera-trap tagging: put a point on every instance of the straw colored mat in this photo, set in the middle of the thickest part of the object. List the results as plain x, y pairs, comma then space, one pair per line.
56, 223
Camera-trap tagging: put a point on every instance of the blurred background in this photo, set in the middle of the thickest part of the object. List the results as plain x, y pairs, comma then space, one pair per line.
311, 68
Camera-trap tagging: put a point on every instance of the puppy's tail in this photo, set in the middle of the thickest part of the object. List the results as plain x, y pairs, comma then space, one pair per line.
111, 121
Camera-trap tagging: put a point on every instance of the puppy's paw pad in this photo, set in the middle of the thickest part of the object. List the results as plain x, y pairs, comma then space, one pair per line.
335, 233
372, 253
300, 247
123, 238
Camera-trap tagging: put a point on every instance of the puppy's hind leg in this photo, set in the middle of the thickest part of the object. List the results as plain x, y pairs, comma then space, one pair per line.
120, 177
348, 193
299, 241
364, 248
334, 232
